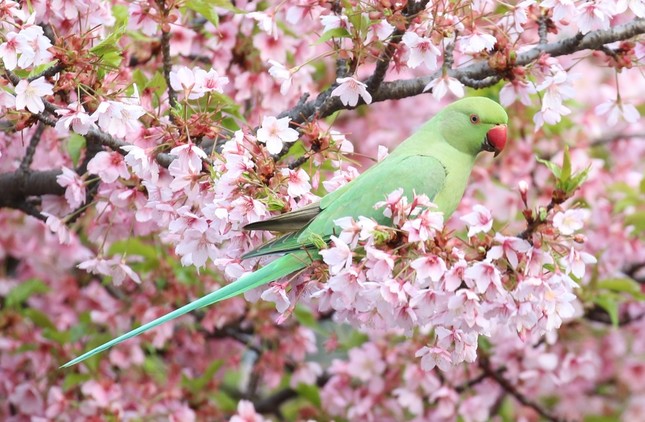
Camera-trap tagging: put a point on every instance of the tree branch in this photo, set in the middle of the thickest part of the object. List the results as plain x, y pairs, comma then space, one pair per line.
272, 403
484, 364
476, 72
383, 63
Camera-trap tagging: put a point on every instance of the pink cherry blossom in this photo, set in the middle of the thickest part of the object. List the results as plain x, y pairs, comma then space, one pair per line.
484, 276
275, 133
185, 81
282, 75
29, 94
594, 15
333, 21
118, 118
109, 166
57, 226
349, 90
277, 293
421, 50
297, 182
74, 187
141, 163
142, 17
338, 256
509, 247
479, 220
576, 261
76, 117
425, 226
10, 48
617, 109
476, 42
570, 221
516, 89
210, 81
246, 413
441, 86
381, 30
429, 267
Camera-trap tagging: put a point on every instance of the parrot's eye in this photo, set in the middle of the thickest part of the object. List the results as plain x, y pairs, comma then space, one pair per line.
474, 119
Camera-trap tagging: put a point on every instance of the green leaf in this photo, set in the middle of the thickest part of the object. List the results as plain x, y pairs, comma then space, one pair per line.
73, 379
60, 337
155, 367
204, 8
121, 15
75, 144
637, 220
224, 402
565, 173
39, 318
134, 246
578, 179
333, 33
309, 392
304, 317
199, 383
41, 68
23, 291
551, 166
316, 240
109, 50
623, 285
609, 303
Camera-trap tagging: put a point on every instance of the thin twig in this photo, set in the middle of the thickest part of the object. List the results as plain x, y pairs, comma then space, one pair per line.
31, 149
165, 51
484, 364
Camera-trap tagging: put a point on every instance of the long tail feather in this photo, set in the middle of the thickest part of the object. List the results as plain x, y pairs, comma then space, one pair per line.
279, 268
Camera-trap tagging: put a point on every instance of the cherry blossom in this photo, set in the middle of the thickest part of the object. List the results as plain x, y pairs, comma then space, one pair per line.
570, 221
109, 166
420, 318
441, 86
118, 118
421, 50
75, 117
618, 109
350, 90
74, 187
297, 182
29, 94
275, 133
479, 220
476, 42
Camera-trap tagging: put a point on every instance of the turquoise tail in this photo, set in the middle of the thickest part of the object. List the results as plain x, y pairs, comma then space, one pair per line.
281, 267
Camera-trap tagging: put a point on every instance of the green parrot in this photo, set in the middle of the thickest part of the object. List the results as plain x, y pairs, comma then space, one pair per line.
435, 161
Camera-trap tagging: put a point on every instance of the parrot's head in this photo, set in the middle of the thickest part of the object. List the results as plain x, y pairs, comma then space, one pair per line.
475, 124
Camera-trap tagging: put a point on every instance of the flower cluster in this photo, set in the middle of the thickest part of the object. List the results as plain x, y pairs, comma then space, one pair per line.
138, 138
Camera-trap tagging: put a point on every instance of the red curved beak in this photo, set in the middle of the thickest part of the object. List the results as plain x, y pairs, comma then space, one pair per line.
496, 138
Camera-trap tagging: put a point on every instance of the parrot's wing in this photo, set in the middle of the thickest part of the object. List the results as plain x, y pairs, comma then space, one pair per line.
287, 222
414, 173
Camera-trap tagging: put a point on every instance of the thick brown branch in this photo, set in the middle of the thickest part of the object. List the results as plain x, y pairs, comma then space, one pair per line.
476, 72
16, 187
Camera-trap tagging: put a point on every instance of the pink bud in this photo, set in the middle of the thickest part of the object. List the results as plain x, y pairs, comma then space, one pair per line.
524, 188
